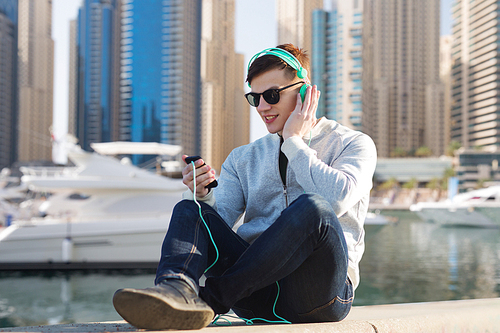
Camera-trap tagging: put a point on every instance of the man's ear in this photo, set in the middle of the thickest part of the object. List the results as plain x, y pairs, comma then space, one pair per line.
299, 100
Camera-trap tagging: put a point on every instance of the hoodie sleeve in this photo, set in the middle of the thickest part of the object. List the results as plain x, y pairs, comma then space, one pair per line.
344, 180
229, 196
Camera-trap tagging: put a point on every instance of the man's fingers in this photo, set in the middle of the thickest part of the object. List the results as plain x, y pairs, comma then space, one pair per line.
315, 101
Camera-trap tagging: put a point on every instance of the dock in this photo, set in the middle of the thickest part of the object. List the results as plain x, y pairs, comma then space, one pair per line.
478, 315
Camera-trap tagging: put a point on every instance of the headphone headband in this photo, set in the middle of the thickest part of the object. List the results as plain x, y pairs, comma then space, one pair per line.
287, 57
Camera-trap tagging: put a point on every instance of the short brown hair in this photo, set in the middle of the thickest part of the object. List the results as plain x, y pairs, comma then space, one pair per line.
269, 62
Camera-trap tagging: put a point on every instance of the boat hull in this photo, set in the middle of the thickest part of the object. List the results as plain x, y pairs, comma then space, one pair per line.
83, 245
481, 216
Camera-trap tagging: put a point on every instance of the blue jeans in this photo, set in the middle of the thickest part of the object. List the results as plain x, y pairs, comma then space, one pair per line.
304, 250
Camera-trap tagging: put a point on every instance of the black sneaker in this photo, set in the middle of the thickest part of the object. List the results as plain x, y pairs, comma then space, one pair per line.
171, 305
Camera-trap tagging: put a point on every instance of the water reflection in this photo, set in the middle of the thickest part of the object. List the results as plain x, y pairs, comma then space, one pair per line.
411, 261
62, 298
414, 261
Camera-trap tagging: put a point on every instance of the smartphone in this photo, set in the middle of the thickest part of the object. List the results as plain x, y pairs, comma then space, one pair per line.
190, 159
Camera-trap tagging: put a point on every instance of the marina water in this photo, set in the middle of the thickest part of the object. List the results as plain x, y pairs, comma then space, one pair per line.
407, 261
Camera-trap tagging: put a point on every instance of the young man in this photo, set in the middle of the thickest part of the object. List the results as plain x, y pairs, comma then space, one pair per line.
304, 189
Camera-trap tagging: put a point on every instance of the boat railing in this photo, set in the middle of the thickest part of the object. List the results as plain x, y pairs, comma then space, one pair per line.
48, 172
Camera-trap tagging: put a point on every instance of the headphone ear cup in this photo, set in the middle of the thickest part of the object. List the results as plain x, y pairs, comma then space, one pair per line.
302, 73
303, 91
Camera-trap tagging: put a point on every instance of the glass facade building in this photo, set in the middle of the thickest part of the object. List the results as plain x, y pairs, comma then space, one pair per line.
295, 21
403, 97
476, 168
98, 72
337, 62
475, 107
325, 62
9, 8
35, 50
160, 72
8, 82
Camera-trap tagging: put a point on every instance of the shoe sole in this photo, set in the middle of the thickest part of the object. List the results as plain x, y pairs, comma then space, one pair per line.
147, 311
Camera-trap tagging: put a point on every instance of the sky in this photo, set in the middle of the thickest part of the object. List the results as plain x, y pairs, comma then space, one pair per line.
255, 30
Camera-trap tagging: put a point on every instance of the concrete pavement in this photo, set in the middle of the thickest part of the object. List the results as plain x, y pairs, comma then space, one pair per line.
480, 315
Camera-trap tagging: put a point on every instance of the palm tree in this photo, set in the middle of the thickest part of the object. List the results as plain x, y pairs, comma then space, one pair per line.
435, 184
448, 172
423, 151
452, 147
412, 183
398, 152
389, 184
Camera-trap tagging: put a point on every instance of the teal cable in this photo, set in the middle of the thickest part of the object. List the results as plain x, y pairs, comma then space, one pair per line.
251, 321
206, 225
247, 321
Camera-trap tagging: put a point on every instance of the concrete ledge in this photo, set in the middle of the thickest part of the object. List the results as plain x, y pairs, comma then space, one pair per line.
482, 315
479, 315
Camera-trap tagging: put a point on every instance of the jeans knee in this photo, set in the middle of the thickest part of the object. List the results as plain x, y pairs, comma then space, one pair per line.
309, 211
188, 209
315, 205
186, 206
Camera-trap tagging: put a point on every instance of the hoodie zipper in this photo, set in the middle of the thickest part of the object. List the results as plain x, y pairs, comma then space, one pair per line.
283, 179
286, 195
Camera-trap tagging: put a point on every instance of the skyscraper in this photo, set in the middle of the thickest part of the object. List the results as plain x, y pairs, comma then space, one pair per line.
295, 21
35, 77
337, 61
402, 109
8, 82
475, 120
98, 45
445, 65
72, 80
225, 114
160, 72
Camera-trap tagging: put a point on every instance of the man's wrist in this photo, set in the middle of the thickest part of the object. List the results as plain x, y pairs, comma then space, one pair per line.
291, 136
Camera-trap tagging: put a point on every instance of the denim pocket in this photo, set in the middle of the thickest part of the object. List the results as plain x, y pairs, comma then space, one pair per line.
335, 310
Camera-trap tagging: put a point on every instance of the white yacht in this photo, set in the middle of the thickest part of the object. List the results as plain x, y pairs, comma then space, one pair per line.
102, 213
478, 208
12, 192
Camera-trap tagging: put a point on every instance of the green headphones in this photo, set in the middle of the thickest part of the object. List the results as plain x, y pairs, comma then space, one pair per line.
291, 61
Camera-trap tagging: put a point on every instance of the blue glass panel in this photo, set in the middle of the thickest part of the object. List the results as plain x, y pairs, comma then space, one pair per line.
146, 53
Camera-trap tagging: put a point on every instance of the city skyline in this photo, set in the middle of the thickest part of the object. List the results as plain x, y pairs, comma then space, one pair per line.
35, 51
246, 42
474, 105
140, 68
402, 91
251, 35
337, 62
8, 80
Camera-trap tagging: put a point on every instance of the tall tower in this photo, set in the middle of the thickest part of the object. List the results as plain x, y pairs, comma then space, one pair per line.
224, 112
445, 65
35, 77
98, 45
72, 82
337, 61
8, 82
401, 74
295, 21
475, 119
160, 72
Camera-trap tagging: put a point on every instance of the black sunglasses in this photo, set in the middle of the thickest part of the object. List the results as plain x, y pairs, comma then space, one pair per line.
271, 96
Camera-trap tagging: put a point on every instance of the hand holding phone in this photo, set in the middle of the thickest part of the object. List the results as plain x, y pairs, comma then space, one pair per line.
190, 159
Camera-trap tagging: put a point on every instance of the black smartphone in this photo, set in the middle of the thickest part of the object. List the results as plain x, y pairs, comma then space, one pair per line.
190, 159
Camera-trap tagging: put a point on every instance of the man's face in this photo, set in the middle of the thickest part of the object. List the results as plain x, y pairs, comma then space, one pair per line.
275, 115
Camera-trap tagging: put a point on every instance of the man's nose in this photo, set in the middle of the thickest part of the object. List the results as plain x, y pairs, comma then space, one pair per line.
263, 105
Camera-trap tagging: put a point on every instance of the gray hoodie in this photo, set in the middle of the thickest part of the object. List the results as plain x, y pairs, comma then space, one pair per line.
338, 165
